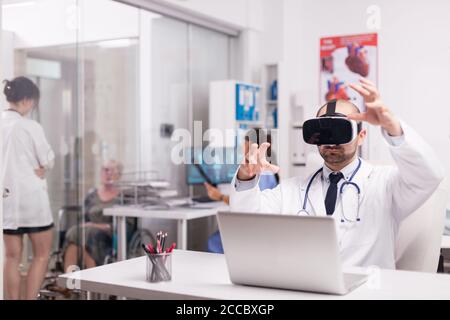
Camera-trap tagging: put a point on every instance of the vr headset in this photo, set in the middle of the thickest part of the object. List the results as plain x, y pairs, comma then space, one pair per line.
330, 129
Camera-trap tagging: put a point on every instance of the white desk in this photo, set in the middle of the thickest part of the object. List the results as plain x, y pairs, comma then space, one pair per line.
445, 244
181, 214
204, 276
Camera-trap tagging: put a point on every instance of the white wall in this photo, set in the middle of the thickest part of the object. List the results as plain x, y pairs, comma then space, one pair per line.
272, 34
96, 21
414, 59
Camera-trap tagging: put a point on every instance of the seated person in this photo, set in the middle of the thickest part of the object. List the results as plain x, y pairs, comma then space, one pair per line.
97, 230
268, 180
366, 229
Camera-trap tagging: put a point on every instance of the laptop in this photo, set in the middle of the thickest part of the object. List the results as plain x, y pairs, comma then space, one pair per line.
285, 252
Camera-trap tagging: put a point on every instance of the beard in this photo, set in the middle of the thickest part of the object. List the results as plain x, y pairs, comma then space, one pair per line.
336, 154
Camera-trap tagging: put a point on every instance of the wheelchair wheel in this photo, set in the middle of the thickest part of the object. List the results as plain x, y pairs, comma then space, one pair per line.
140, 237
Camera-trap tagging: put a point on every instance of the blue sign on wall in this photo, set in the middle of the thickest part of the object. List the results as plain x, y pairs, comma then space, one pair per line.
247, 97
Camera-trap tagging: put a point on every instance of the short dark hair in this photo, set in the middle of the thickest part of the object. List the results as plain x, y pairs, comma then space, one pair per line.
19, 89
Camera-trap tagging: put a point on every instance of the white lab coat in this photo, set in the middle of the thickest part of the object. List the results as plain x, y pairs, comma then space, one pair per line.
388, 195
25, 149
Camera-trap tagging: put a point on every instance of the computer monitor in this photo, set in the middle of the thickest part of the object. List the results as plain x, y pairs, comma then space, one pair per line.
215, 166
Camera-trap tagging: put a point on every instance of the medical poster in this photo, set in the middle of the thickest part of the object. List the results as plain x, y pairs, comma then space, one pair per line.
344, 60
247, 102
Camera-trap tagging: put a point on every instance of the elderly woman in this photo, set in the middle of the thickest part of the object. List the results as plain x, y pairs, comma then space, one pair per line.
97, 230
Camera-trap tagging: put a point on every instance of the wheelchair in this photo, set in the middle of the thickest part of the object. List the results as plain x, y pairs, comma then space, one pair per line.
69, 216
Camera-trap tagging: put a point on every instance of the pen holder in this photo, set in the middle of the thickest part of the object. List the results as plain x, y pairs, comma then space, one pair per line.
159, 267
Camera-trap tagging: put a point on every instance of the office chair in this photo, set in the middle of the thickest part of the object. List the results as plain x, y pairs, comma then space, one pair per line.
419, 240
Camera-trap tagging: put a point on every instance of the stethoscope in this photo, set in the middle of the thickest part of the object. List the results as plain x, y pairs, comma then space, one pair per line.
341, 191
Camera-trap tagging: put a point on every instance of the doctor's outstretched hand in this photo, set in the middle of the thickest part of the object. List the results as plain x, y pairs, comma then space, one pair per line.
376, 111
255, 162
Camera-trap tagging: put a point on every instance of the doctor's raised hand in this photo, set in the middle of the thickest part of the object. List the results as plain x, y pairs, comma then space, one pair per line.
376, 111
255, 161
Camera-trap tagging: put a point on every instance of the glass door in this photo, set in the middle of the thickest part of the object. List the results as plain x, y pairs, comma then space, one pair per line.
111, 93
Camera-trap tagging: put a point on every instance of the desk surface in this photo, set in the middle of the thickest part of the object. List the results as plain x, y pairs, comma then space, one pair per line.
176, 213
204, 276
445, 244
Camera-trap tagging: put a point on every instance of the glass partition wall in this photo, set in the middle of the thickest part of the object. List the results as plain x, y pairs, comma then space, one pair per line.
86, 134
111, 94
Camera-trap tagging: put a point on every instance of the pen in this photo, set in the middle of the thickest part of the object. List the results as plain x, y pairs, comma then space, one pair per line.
146, 250
164, 241
150, 248
158, 246
171, 248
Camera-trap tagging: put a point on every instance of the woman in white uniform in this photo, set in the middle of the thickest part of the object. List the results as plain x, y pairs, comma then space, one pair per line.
27, 156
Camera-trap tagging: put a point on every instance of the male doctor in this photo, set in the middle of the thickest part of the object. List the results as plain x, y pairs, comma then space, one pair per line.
367, 225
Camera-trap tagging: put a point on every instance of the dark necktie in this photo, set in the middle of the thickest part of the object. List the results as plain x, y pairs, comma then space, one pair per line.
330, 199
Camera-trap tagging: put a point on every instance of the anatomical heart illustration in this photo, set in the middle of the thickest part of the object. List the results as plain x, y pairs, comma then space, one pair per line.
357, 60
336, 90
344, 60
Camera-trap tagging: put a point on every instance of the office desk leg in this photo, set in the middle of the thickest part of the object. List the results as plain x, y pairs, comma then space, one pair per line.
121, 239
441, 263
182, 234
